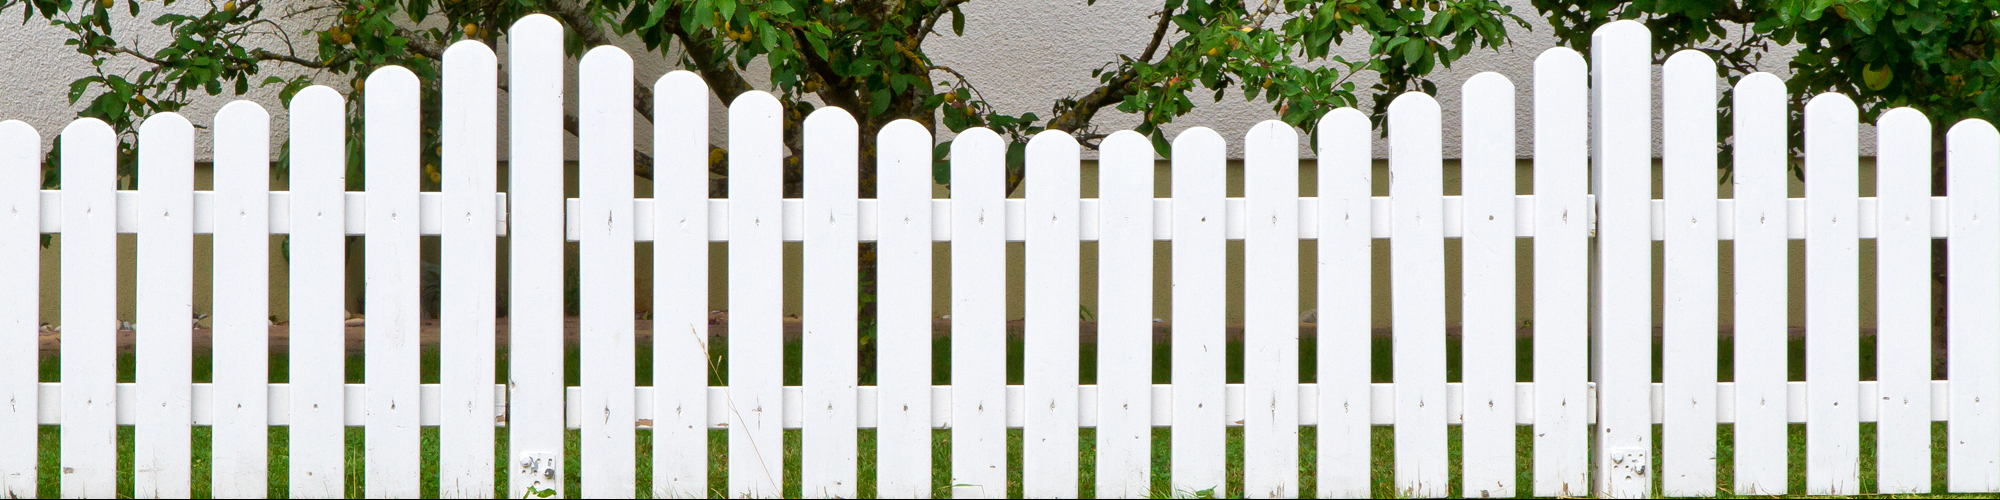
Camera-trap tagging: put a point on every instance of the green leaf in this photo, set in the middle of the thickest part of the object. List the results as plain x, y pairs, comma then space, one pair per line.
878, 102
957, 22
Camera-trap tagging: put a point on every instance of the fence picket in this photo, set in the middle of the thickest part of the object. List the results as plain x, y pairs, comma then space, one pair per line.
242, 290
829, 448
1562, 274
535, 286
318, 277
1049, 370
756, 356
90, 323
1761, 157
1832, 305
1972, 148
1343, 327
680, 297
1903, 302
1489, 287
1270, 311
978, 311
903, 311
467, 280
394, 283
1416, 274
1689, 320
20, 306
162, 447
1124, 316
1621, 283
1198, 342
605, 280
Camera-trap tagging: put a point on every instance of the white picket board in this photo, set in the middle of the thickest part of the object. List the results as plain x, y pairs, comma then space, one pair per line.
756, 349
467, 280
20, 306
1562, 277
242, 289
829, 450
1124, 316
1488, 290
535, 254
1051, 325
1270, 311
1687, 99
605, 278
89, 348
1344, 328
162, 447
1416, 288
680, 292
1972, 149
1622, 320
394, 282
1760, 156
1833, 318
1198, 312
1903, 302
979, 315
318, 264
903, 311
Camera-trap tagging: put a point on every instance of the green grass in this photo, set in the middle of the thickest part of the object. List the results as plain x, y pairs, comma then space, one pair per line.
1382, 442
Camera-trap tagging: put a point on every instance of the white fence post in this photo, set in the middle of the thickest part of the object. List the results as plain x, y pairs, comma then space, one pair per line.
1050, 328
680, 286
605, 277
1124, 316
903, 359
1688, 100
1973, 299
20, 306
242, 293
1199, 343
318, 280
828, 441
391, 104
1488, 292
1903, 302
1760, 158
535, 286
1270, 311
89, 353
467, 280
756, 287
978, 312
1833, 318
162, 447
1416, 288
1344, 330
1621, 283
1562, 274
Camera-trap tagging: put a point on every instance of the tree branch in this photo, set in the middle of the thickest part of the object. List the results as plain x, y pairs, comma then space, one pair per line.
1077, 114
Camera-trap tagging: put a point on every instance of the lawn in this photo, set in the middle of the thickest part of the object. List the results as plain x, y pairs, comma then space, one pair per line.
1382, 469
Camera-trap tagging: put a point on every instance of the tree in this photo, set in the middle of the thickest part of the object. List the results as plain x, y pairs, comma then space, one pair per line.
867, 56
1937, 56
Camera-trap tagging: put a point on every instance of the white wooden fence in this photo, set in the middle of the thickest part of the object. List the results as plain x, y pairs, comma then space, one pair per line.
1607, 306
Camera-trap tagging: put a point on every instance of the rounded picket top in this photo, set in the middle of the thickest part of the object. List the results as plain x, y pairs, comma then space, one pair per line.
1904, 117
1124, 143
391, 76
755, 103
1969, 131
1271, 136
1195, 137
162, 123
1344, 116
680, 82
1053, 152
1560, 59
1488, 82
902, 133
1831, 103
1412, 102
242, 110
469, 51
1051, 139
537, 24
1623, 32
830, 116
1689, 60
602, 55
20, 152
316, 96
85, 126
1760, 83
